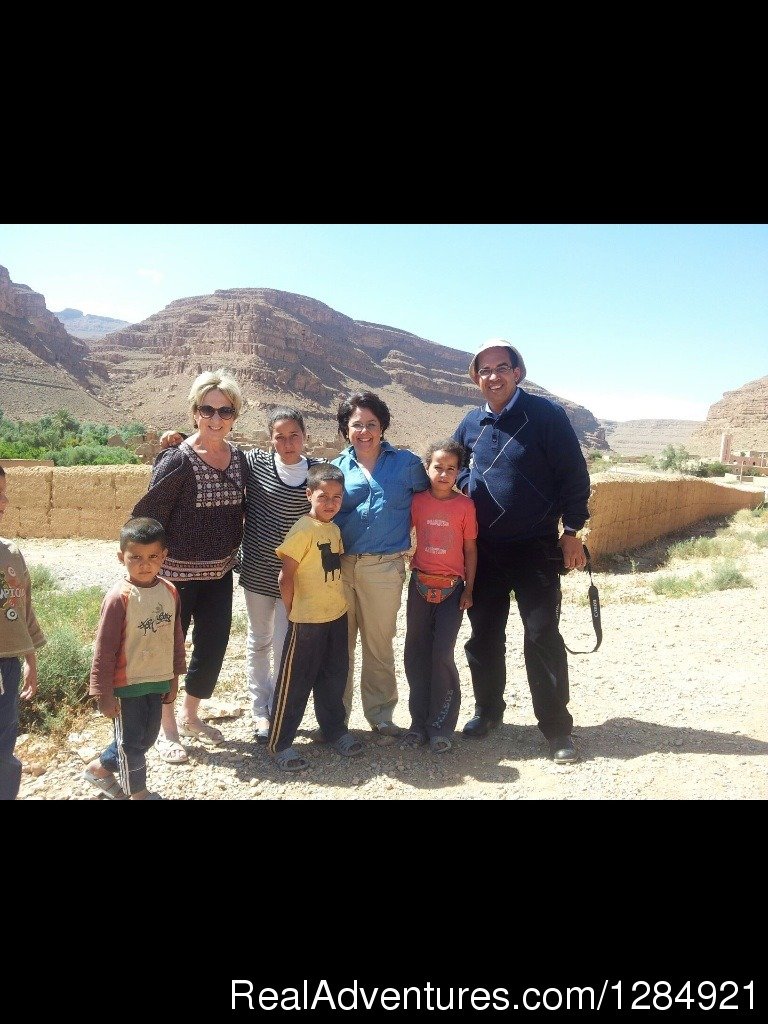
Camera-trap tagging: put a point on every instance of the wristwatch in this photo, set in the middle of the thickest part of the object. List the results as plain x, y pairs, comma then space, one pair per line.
569, 531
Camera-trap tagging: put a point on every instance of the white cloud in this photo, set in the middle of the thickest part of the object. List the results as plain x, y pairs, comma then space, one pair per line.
155, 276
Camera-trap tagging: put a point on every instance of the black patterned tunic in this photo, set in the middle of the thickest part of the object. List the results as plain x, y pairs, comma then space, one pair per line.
201, 509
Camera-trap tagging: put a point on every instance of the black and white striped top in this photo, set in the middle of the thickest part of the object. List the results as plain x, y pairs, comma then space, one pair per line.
271, 509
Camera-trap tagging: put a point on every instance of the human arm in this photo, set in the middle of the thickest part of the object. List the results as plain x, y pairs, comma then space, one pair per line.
171, 438
570, 468
30, 676
462, 477
170, 697
170, 473
33, 626
286, 581
106, 651
470, 568
419, 477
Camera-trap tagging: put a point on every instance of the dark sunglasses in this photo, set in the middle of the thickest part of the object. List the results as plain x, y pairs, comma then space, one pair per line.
226, 412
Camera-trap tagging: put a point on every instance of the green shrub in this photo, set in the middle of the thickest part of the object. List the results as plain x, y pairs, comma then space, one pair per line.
60, 437
673, 458
706, 547
63, 668
710, 469
92, 455
239, 626
728, 576
678, 586
42, 579
68, 620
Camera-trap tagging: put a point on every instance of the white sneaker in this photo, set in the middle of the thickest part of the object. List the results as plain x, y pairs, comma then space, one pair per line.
261, 725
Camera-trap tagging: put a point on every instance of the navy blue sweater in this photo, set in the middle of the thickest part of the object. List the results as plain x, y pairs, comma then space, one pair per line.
526, 470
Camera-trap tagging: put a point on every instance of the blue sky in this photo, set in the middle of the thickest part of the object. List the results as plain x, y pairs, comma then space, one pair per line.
634, 321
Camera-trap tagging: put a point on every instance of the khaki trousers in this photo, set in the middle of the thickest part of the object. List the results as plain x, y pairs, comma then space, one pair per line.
373, 586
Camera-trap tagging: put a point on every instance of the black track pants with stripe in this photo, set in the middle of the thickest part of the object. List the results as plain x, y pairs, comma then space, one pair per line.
315, 660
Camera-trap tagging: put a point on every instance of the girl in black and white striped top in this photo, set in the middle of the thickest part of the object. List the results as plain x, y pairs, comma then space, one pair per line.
275, 499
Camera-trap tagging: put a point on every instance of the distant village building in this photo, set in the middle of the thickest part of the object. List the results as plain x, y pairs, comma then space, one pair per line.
742, 461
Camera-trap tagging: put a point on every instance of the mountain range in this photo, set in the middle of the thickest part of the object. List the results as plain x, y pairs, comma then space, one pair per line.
283, 348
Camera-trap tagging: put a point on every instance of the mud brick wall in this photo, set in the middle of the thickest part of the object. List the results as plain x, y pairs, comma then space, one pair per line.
95, 501
624, 516
77, 501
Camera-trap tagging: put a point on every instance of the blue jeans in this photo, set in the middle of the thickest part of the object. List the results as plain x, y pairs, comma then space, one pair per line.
136, 729
10, 766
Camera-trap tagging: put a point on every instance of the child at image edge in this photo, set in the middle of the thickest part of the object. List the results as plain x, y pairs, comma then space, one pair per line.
20, 636
446, 552
315, 653
137, 660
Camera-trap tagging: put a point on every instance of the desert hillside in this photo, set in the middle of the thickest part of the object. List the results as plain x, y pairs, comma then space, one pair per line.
87, 325
743, 414
284, 349
289, 349
649, 437
43, 368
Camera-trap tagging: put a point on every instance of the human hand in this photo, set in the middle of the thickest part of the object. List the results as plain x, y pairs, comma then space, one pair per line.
30, 682
573, 552
170, 697
465, 601
170, 439
108, 705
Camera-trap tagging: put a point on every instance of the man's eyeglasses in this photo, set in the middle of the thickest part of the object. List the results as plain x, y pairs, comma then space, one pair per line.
226, 412
502, 368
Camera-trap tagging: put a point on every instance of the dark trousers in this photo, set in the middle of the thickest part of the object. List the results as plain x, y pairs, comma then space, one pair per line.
136, 729
430, 666
315, 660
530, 569
10, 765
207, 603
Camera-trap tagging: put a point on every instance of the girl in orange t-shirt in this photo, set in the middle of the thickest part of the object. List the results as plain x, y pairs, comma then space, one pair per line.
440, 588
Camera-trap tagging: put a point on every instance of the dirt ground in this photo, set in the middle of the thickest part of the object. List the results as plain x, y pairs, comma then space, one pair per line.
671, 707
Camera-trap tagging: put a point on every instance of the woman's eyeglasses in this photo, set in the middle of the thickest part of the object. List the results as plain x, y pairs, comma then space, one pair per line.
226, 412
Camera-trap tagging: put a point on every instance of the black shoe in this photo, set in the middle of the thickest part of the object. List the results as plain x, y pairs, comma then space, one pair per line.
563, 750
480, 725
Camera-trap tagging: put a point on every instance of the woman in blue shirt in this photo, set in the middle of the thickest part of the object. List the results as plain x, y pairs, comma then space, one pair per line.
375, 524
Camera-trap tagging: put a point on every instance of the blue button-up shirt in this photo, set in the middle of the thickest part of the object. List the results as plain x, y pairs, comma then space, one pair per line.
375, 516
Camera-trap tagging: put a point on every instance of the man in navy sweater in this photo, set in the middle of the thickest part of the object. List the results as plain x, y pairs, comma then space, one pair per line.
526, 471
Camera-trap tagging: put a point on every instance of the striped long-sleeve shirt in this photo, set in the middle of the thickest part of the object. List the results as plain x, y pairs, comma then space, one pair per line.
271, 509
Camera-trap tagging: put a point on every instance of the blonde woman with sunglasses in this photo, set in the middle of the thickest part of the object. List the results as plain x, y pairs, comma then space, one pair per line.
197, 492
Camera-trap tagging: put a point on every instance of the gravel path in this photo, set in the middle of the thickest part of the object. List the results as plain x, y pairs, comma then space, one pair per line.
672, 706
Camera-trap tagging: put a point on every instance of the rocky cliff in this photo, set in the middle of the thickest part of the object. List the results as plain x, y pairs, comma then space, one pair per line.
297, 347
42, 368
743, 414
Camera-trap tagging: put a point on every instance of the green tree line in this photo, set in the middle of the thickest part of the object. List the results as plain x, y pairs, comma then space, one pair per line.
66, 441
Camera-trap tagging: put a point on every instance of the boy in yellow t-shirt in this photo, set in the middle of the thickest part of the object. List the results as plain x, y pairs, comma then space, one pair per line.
315, 653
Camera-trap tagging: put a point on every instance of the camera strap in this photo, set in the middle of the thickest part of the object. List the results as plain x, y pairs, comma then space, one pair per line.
594, 605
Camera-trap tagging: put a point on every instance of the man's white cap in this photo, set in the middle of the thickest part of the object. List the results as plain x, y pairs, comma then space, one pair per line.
517, 359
